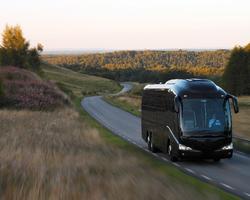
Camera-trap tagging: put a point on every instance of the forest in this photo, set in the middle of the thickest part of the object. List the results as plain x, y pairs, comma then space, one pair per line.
146, 66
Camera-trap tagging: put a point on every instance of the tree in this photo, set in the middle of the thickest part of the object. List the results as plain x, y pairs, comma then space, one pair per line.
16, 51
14, 46
13, 38
247, 48
1, 89
236, 75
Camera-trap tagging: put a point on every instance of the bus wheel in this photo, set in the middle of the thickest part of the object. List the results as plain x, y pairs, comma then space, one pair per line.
151, 145
170, 153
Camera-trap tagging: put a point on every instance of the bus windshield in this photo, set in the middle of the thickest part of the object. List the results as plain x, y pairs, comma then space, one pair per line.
205, 116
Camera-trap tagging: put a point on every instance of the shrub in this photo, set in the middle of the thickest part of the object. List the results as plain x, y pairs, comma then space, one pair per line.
13, 73
25, 90
32, 95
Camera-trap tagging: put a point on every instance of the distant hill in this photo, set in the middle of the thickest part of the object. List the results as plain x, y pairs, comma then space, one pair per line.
143, 59
146, 66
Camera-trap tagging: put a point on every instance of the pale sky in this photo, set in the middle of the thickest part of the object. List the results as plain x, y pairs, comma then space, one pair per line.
130, 24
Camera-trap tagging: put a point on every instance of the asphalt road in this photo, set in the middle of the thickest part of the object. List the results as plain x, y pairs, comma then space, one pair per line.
232, 175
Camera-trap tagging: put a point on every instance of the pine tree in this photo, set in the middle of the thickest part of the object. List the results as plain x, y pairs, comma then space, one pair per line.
236, 75
1, 89
247, 49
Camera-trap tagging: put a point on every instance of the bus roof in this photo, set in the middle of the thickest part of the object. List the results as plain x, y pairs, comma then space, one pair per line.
193, 87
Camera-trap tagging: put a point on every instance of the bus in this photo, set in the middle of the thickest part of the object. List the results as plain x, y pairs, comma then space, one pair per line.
188, 118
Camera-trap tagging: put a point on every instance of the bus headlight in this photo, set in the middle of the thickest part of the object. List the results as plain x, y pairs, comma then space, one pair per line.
184, 148
228, 147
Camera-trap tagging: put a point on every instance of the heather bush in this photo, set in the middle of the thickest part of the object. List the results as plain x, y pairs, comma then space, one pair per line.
13, 73
25, 90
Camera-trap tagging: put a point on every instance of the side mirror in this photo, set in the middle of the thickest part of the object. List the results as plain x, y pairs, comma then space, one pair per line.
235, 103
176, 104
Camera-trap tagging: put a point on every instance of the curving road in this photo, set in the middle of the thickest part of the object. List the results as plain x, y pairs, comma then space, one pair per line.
232, 175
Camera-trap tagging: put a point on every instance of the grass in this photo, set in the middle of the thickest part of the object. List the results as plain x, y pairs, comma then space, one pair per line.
78, 84
241, 121
130, 102
244, 101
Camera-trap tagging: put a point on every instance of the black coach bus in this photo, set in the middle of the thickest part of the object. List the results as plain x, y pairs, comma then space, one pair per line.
188, 118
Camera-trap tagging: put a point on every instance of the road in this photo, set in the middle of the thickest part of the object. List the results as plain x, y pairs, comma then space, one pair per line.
232, 175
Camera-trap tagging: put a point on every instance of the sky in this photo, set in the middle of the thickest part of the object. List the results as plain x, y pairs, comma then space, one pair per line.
130, 24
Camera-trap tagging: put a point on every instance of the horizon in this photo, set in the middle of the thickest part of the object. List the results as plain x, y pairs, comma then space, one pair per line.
93, 51
130, 25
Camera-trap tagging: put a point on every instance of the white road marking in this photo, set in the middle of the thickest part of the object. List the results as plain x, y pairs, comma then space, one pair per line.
175, 164
206, 177
165, 159
247, 194
190, 170
227, 186
158, 156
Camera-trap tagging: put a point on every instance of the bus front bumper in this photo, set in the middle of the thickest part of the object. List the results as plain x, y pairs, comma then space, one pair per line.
225, 152
202, 154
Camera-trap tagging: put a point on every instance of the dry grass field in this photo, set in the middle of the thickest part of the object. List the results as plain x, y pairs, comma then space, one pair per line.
241, 121
54, 155
131, 101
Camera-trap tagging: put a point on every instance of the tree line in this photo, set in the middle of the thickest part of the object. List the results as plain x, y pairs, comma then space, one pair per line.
144, 59
146, 66
236, 77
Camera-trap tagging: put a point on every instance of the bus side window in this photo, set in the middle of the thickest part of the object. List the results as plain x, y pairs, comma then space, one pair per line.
168, 102
161, 101
148, 101
165, 102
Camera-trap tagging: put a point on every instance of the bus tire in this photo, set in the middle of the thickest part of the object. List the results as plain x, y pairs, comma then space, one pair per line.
150, 142
170, 153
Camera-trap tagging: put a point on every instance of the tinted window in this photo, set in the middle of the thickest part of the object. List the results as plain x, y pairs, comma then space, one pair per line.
205, 116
